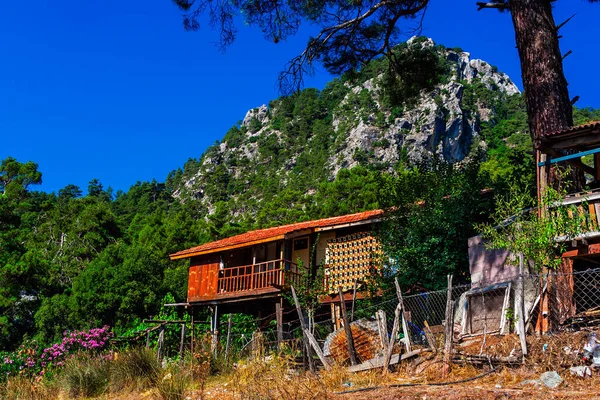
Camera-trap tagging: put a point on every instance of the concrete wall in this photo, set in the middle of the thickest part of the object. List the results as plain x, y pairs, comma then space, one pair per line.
488, 267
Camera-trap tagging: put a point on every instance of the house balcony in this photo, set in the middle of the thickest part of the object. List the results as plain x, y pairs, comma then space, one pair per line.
212, 284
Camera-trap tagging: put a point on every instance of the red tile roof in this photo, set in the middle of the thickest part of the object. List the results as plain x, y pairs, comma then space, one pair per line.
574, 129
263, 235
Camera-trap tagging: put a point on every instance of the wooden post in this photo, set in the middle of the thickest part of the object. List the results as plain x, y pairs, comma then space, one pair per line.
181, 344
520, 300
215, 330
318, 351
192, 335
279, 318
349, 338
405, 331
449, 331
353, 301
390, 349
383, 330
161, 339
430, 337
148, 339
304, 330
227, 344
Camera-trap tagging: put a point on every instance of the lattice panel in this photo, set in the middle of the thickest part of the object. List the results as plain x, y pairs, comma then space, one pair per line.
350, 258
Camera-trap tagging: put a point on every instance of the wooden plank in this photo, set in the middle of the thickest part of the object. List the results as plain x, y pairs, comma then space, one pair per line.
304, 330
390, 349
353, 300
593, 217
520, 303
504, 307
383, 330
349, 338
430, 337
405, 331
181, 344
317, 349
449, 327
228, 342
378, 362
279, 318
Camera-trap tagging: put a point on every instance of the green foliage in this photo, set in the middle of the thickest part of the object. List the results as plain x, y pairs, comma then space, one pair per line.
518, 227
434, 210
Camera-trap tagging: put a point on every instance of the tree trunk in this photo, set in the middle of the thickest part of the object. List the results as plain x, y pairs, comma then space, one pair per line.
549, 107
546, 94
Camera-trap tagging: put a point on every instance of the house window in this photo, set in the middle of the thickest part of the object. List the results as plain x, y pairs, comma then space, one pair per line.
301, 244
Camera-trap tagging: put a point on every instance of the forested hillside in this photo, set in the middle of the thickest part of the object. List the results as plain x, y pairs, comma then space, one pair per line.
448, 128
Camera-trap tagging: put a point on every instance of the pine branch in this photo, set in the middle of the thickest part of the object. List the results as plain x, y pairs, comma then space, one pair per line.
564, 23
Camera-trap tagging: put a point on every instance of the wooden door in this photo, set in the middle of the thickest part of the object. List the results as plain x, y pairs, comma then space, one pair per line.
209, 280
193, 282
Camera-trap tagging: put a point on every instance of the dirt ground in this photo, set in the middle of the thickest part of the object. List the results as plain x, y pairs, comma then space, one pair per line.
476, 391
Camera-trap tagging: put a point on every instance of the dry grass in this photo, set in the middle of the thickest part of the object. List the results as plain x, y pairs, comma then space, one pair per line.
23, 388
274, 378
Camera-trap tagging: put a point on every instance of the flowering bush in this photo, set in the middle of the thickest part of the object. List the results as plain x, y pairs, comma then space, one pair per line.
31, 360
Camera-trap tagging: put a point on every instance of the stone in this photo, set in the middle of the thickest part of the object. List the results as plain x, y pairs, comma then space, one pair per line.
551, 379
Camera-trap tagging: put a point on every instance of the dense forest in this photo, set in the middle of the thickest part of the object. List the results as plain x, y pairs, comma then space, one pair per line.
74, 261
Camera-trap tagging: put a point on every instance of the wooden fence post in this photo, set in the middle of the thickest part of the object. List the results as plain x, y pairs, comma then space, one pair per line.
405, 331
383, 330
353, 300
520, 300
279, 318
390, 349
181, 344
161, 339
449, 331
349, 338
227, 344
305, 343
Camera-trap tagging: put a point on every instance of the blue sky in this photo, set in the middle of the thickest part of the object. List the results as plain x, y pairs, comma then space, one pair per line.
117, 90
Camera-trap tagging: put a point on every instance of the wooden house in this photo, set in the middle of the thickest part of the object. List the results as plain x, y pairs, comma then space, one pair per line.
250, 272
578, 147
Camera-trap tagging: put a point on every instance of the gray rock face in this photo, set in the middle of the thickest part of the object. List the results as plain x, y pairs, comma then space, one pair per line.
261, 114
439, 125
443, 122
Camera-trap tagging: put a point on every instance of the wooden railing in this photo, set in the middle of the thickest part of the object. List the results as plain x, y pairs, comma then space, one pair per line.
278, 273
585, 207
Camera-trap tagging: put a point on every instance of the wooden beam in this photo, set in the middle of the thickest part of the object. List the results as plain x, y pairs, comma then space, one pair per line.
317, 349
390, 349
378, 362
449, 327
383, 330
178, 256
304, 330
520, 303
279, 318
228, 342
405, 331
349, 338
568, 157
